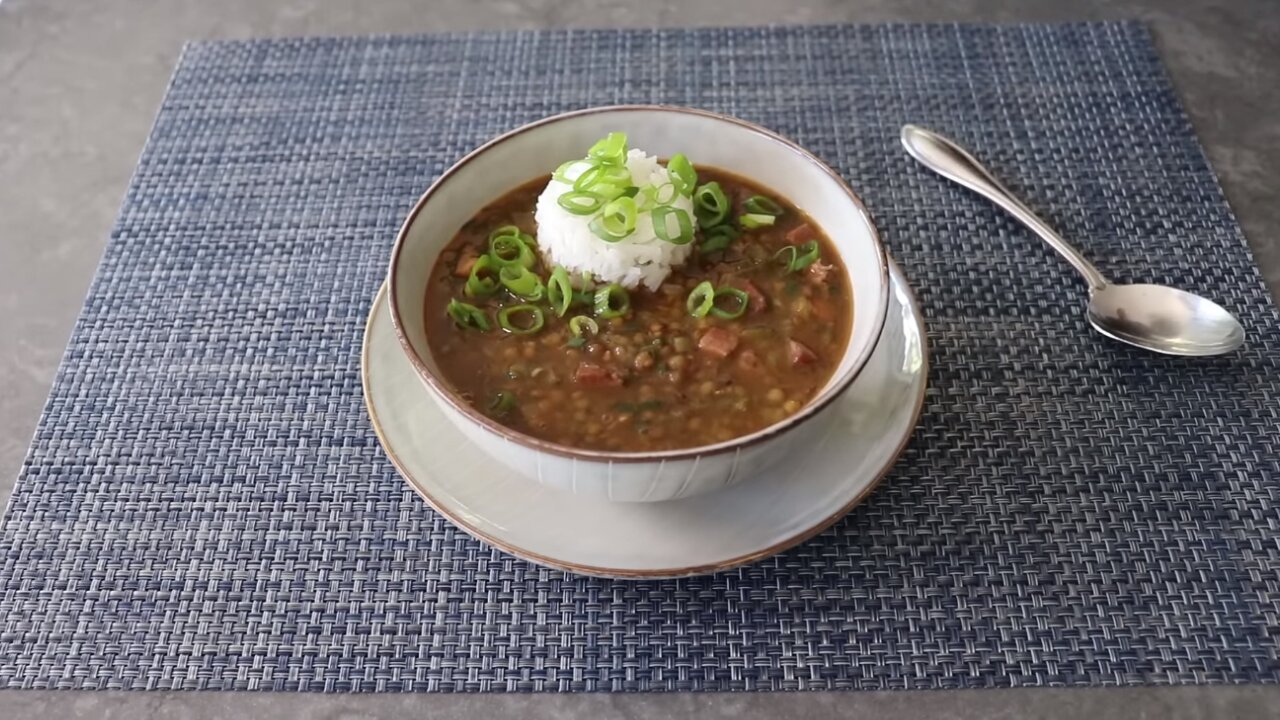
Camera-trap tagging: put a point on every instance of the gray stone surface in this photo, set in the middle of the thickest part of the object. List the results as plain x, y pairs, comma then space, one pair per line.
81, 79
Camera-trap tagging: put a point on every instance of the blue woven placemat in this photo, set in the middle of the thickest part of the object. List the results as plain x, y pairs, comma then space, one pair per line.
205, 506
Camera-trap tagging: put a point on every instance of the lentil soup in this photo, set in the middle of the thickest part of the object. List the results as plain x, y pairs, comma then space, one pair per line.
740, 336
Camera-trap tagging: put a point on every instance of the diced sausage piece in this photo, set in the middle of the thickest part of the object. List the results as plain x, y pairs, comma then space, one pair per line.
718, 342
819, 271
800, 353
749, 361
802, 234
756, 301
466, 261
592, 375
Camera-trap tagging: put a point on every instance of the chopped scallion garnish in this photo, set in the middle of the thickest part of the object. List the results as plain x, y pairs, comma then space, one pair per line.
581, 326
603, 175
511, 250
611, 149
612, 301
663, 194
467, 316
795, 259
786, 257
522, 282
569, 172
711, 204
704, 298
751, 221
807, 255
520, 319
504, 230
682, 174
596, 226
581, 202
701, 299
559, 291
718, 238
483, 280
733, 311
617, 221
672, 225
759, 204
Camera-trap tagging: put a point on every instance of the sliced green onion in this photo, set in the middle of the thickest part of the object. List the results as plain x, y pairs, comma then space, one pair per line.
609, 191
715, 244
759, 204
521, 282
504, 230
513, 319
807, 255
596, 226
511, 231
610, 149
576, 342
701, 299
468, 316
682, 174
618, 218
786, 257
728, 314
581, 202
711, 204
663, 215
631, 192
581, 325
796, 259
502, 403
569, 172
483, 280
718, 238
603, 175
559, 291
612, 301
751, 221
511, 250
663, 194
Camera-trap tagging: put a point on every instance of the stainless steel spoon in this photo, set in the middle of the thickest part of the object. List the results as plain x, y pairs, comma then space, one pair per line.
1155, 317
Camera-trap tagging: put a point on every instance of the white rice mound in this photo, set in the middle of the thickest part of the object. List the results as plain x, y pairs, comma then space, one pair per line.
641, 258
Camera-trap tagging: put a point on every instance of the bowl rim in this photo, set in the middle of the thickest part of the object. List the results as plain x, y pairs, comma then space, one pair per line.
441, 388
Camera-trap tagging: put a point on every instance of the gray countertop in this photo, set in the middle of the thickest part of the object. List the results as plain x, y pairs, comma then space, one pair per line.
80, 81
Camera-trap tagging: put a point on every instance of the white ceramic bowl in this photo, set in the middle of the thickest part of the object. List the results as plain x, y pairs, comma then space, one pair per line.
708, 139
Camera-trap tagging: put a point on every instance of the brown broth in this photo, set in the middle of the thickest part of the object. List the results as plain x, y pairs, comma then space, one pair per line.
671, 393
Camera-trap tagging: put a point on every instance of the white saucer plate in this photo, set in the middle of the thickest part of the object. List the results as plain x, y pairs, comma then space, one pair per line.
754, 519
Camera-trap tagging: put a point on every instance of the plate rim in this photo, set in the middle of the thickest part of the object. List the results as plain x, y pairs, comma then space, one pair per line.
659, 573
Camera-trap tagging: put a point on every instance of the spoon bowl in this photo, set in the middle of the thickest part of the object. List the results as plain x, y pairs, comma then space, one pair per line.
1164, 319
1158, 318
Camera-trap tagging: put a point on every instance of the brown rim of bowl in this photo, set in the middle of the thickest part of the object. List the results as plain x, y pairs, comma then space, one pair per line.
624, 574
442, 388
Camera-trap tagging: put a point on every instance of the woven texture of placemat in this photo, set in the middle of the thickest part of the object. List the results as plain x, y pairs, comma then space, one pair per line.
206, 506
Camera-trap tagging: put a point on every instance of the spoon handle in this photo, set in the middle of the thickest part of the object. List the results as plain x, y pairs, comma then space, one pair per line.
952, 162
